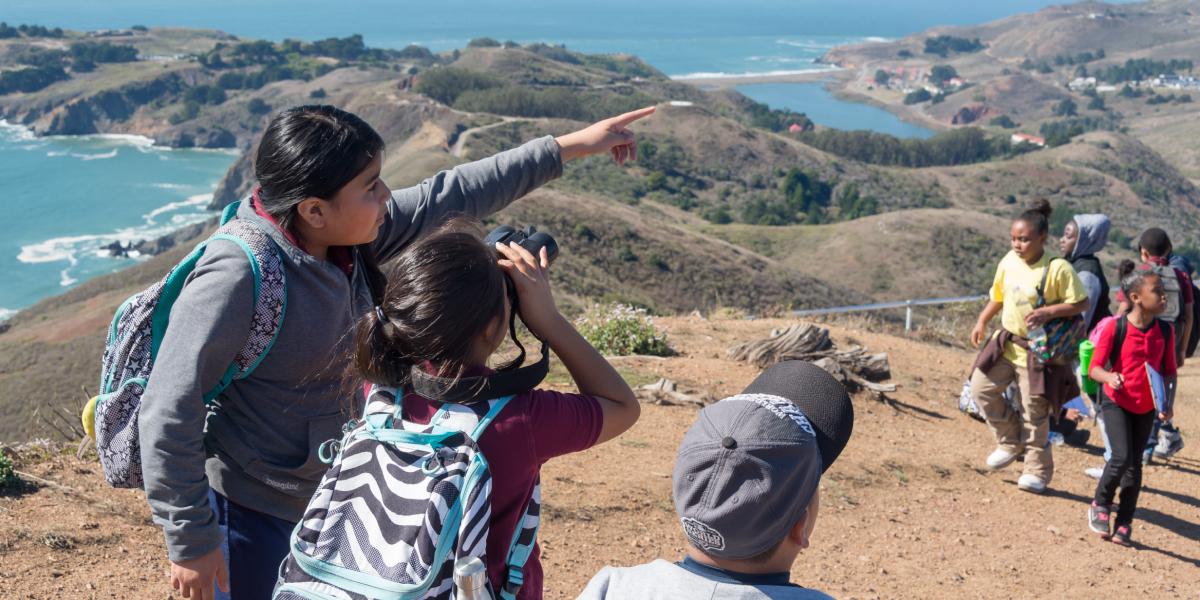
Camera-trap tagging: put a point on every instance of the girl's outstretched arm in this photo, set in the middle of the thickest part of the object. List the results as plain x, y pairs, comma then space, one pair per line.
485, 186
592, 374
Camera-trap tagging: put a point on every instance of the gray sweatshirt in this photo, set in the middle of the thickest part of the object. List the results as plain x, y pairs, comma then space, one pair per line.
257, 443
661, 580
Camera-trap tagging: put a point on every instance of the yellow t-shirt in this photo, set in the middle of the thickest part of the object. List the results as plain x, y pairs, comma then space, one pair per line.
1016, 285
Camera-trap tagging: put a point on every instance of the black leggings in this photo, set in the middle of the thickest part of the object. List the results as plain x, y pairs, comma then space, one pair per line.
1127, 434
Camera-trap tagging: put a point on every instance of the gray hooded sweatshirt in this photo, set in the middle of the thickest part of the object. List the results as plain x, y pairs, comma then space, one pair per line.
1093, 236
257, 443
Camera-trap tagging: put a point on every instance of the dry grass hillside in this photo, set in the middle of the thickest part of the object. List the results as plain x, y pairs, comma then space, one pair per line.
908, 511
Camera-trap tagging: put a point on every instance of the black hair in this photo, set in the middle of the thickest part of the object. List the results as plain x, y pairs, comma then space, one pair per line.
1038, 215
442, 292
1132, 278
313, 151
1155, 242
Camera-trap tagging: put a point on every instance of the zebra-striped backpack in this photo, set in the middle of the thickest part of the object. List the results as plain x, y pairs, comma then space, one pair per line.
400, 506
137, 330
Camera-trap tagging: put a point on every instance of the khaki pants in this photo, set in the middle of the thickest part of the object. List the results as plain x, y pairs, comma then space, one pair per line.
1014, 433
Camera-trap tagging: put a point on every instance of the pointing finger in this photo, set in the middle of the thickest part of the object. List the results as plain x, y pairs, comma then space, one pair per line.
633, 115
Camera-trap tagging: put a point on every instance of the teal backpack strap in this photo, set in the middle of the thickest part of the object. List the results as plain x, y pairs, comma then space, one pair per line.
521, 548
257, 347
230, 211
487, 418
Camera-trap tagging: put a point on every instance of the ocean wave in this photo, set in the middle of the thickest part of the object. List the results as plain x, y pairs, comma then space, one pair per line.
723, 75
110, 154
16, 133
172, 186
191, 201
127, 139
69, 248
7, 313
809, 44
876, 39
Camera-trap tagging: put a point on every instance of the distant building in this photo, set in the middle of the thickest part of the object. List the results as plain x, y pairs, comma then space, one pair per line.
1080, 84
956, 82
1018, 138
795, 128
680, 103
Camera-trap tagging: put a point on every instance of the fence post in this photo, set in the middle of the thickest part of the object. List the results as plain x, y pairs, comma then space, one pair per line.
908, 316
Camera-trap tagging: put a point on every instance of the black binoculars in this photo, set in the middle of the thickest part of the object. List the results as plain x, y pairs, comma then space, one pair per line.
529, 238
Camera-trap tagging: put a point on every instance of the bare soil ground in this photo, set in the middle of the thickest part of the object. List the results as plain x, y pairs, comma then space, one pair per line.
908, 511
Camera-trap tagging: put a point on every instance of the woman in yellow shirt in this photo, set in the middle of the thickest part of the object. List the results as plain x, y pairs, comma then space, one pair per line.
1014, 296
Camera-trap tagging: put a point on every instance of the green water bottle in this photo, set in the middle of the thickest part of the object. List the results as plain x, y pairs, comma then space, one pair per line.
1086, 350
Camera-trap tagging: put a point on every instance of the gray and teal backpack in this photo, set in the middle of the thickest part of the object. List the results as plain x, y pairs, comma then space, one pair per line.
137, 331
401, 505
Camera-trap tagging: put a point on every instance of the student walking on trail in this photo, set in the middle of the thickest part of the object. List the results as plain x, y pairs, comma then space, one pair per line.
1155, 248
1032, 293
1129, 346
228, 479
1083, 237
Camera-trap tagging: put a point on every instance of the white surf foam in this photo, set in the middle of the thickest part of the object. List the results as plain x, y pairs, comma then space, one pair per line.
16, 133
6, 313
190, 202
105, 155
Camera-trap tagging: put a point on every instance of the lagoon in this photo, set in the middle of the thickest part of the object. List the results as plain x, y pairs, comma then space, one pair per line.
825, 109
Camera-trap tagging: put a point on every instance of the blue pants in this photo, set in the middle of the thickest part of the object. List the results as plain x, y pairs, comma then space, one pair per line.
255, 544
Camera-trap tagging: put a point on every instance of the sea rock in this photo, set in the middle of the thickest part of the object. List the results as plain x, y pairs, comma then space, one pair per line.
236, 183
166, 242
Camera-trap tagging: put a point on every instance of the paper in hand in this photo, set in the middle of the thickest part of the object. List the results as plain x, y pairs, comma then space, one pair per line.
1158, 389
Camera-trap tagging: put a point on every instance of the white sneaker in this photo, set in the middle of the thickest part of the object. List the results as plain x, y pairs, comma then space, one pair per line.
1031, 483
1169, 444
1000, 458
1094, 472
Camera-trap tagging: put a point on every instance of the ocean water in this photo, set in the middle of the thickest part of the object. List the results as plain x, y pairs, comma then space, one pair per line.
66, 198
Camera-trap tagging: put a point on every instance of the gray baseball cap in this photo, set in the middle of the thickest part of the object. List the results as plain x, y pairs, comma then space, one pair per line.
750, 464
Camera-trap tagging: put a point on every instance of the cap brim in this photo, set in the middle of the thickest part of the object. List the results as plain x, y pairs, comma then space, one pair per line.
819, 396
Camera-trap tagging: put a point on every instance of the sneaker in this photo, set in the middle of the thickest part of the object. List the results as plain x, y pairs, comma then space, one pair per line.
1098, 520
1123, 536
1094, 472
1148, 456
1000, 458
1031, 483
1169, 444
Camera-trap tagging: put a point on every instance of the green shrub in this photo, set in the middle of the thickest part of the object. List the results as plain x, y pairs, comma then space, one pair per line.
619, 330
257, 106
9, 481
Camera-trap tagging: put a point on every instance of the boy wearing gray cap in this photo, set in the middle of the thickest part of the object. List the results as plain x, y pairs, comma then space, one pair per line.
745, 488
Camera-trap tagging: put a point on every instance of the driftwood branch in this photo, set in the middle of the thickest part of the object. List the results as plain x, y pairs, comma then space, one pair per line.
855, 367
666, 392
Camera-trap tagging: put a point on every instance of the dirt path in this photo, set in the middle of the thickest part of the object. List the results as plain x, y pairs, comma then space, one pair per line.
907, 512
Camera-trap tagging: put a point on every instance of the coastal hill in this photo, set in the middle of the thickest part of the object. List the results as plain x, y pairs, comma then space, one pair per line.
1082, 66
730, 204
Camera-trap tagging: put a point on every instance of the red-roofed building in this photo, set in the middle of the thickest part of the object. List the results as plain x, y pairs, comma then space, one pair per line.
1018, 138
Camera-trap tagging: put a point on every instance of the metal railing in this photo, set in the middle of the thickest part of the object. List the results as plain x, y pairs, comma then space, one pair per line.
907, 305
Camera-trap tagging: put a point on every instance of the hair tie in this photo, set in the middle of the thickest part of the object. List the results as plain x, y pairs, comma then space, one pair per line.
379, 314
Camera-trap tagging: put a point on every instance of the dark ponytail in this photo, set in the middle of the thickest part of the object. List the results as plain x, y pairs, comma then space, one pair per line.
1131, 277
1038, 215
443, 292
313, 151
